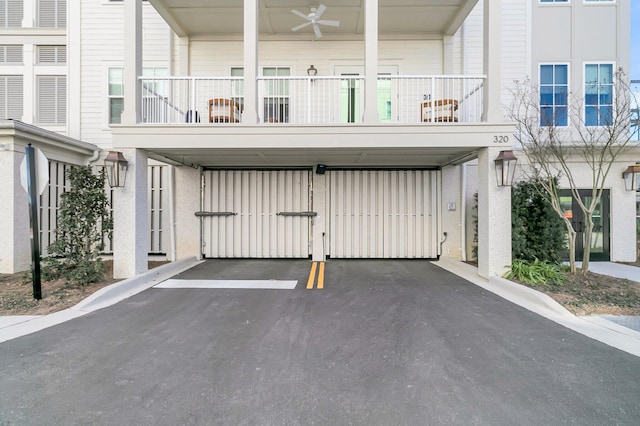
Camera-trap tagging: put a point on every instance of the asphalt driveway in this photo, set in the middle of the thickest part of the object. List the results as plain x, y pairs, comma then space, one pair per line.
384, 342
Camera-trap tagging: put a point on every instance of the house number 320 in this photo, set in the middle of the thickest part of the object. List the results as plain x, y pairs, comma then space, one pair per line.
501, 139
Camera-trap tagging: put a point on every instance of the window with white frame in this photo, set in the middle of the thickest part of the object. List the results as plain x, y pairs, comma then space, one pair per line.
155, 91
11, 12
11, 97
52, 13
598, 94
276, 95
154, 106
11, 54
237, 87
51, 55
115, 94
599, 1
52, 99
554, 93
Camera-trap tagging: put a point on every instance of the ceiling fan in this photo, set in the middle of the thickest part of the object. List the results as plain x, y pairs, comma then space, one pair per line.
313, 18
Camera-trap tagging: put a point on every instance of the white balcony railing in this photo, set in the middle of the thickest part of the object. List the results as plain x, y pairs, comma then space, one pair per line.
313, 100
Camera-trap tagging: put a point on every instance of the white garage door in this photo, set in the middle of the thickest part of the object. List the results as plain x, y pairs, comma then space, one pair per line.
254, 213
383, 213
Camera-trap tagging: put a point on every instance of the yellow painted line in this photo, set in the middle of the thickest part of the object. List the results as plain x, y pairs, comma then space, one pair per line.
312, 275
321, 276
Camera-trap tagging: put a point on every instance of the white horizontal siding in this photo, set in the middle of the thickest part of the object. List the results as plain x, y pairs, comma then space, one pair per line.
101, 22
412, 57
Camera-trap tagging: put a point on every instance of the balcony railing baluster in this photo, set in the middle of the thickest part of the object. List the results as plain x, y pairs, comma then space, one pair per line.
318, 100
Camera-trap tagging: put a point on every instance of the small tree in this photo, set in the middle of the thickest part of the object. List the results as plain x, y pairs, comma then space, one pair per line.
552, 138
83, 222
537, 231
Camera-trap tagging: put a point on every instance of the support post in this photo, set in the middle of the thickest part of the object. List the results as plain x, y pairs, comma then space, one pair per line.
250, 114
131, 218
371, 62
494, 218
132, 61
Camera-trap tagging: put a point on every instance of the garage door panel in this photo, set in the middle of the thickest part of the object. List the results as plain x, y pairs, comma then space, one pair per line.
382, 214
256, 197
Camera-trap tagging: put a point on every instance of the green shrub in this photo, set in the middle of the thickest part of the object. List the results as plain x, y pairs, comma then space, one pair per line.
83, 222
537, 231
538, 272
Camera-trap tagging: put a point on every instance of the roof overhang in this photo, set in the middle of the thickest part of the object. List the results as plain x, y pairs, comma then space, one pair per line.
225, 17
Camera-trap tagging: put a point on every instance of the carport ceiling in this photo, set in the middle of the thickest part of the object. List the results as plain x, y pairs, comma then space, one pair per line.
225, 17
268, 158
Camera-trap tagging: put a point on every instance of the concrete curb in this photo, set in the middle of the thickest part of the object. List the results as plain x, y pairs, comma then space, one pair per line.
19, 326
598, 329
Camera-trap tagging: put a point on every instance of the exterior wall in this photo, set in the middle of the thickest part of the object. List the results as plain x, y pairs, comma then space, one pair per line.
452, 211
578, 32
215, 58
15, 248
101, 21
187, 201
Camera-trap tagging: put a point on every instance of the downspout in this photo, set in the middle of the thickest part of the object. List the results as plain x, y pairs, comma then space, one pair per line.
94, 157
463, 212
172, 216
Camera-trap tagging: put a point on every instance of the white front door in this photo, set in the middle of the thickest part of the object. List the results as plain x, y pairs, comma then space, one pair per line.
255, 213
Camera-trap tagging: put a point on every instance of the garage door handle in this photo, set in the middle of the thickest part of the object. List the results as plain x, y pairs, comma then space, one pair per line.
306, 214
206, 214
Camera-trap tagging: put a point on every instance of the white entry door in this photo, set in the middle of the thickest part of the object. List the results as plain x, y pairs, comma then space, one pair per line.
256, 213
383, 213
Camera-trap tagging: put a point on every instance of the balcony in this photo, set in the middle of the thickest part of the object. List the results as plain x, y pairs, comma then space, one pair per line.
319, 100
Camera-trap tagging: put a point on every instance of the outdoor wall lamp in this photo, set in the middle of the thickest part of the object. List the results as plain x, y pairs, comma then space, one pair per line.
116, 166
505, 168
631, 178
312, 72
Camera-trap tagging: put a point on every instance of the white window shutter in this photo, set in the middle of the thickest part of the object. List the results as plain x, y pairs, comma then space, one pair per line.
52, 54
10, 54
52, 13
11, 12
11, 97
52, 100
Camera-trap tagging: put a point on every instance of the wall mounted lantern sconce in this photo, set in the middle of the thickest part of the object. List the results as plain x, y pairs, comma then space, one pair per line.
312, 72
116, 166
505, 168
631, 178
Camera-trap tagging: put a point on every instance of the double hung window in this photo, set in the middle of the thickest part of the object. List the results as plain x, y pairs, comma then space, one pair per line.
554, 91
598, 94
276, 98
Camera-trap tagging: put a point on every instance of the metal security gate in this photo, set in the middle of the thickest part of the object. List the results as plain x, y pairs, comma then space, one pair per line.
256, 213
383, 213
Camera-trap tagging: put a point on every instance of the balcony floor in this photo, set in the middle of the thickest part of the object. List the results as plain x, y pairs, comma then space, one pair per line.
273, 145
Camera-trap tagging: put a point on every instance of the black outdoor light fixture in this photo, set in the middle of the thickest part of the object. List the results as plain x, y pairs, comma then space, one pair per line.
631, 177
505, 168
116, 166
312, 72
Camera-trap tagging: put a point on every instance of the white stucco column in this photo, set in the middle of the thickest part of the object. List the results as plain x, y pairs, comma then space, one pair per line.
183, 56
131, 218
132, 61
492, 106
319, 229
250, 114
371, 62
15, 245
494, 218
187, 203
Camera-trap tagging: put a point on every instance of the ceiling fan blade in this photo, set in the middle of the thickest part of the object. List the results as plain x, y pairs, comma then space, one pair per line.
329, 23
296, 28
317, 31
320, 11
300, 14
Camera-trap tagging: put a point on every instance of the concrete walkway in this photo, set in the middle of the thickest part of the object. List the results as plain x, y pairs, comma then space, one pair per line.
612, 269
